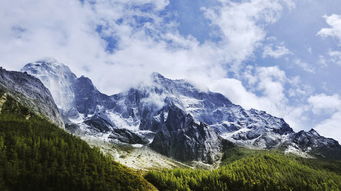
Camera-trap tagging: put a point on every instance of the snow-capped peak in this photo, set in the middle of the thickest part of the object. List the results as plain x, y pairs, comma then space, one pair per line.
50, 65
57, 77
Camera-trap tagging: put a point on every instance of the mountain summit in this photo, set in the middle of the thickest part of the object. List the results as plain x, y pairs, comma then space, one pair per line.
173, 117
57, 77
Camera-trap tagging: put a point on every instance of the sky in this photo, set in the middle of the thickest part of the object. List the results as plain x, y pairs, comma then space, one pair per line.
280, 56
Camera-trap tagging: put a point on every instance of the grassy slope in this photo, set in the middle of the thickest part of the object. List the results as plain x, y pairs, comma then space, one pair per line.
36, 155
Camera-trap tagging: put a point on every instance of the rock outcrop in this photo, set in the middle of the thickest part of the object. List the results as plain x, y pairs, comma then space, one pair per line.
30, 92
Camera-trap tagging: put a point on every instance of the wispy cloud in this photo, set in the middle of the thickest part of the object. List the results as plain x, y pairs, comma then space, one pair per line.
304, 66
335, 57
334, 30
275, 51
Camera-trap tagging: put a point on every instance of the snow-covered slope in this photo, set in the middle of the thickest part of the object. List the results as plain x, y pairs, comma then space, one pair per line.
172, 116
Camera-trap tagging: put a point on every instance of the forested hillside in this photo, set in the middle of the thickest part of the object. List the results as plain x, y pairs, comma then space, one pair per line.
36, 155
263, 171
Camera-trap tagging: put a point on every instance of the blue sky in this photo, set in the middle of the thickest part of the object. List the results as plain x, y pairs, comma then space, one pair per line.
281, 56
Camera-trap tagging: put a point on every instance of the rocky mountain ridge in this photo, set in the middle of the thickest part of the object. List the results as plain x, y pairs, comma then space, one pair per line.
173, 117
30, 92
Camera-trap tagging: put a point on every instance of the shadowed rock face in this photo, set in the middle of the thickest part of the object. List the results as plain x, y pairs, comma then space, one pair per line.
183, 139
30, 92
87, 97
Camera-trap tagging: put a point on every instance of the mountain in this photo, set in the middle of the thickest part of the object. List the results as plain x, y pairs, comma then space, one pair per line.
30, 92
173, 117
313, 143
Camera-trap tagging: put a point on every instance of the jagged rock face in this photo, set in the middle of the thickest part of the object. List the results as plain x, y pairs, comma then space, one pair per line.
188, 123
30, 92
258, 129
311, 139
86, 111
313, 143
181, 138
87, 97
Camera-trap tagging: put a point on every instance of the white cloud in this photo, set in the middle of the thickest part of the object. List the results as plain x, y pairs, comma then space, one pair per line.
334, 21
236, 92
330, 105
61, 29
239, 24
275, 51
334, 30
322, 103
331, 127
271, 80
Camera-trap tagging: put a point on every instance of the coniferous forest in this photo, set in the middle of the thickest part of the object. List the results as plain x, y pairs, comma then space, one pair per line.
36, 155
263, 171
